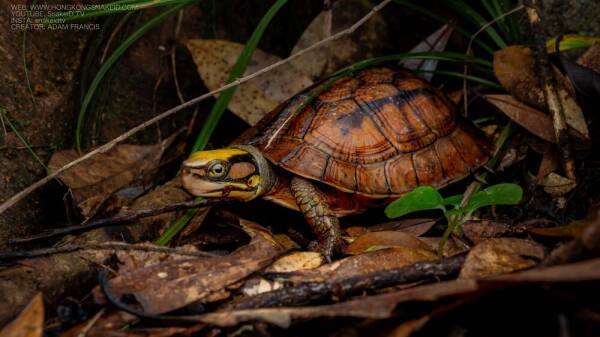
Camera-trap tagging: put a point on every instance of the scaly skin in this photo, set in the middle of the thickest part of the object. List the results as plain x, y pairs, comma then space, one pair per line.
323, 222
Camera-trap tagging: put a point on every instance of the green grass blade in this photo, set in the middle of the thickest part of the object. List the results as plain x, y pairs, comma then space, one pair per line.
218, 109
495, 11
176, 227
460, 30
513, 24
470, 14
110, 61
236, 72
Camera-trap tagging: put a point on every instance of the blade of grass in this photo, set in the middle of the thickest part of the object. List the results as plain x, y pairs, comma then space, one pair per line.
426, 12
493, 8
237, 71
506, 5
219, 107
112, 59
470, 14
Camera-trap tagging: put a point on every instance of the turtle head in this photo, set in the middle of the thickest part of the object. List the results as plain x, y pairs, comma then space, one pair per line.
240, 173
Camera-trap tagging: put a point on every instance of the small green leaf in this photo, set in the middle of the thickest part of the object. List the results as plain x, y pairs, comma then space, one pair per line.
501, 194
420, 199
454, 200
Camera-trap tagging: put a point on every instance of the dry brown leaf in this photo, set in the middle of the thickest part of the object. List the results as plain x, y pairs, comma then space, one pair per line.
29, 323
548, 165
415, 227
362, 264
479, 230
557, 185
591, 58
135, 259
296, 261
173, 284
500, 256
383, 239
257, 97
355, 231
170, 193
514, 67
365, 42
531, 119
95, 180
383, 305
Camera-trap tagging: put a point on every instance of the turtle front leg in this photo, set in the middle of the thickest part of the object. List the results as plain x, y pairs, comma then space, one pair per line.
322, 220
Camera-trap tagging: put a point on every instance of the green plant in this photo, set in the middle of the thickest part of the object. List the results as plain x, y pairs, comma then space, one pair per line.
456, 209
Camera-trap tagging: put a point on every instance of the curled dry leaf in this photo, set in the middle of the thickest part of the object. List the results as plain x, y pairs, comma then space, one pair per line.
500, 256
173, 284
514, 67
95, 180
557, 185
362, 264
383, 239
255, 98
29, 323
365, 42
383, 305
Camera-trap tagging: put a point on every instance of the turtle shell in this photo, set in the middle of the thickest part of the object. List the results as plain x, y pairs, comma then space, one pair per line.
380, 133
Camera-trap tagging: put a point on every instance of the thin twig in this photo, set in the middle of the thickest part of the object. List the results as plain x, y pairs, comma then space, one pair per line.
22, 254
119, 219
104, 148
549, 87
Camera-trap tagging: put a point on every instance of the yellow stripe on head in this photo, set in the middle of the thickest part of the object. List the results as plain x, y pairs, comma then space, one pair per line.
203, 157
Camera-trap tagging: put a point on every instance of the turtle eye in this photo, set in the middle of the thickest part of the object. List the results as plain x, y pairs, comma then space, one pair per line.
217, 170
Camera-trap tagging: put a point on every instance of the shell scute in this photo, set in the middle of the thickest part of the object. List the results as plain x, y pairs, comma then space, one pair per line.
379, 133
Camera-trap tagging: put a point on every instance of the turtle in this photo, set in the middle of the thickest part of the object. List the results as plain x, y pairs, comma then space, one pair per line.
342, 146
